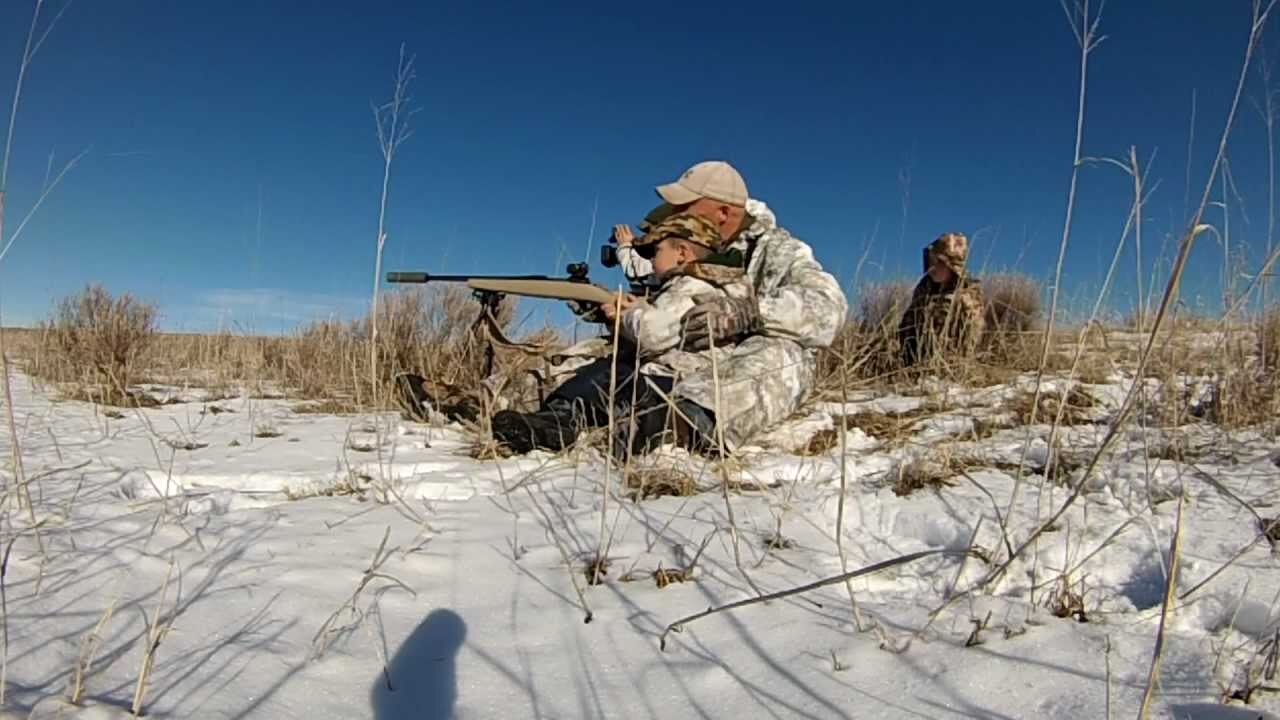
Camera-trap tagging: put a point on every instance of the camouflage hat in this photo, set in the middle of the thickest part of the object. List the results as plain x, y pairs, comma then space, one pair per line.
684, 226
657, 215
950, 249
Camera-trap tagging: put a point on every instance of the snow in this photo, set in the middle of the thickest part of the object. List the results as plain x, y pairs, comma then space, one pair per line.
474, 612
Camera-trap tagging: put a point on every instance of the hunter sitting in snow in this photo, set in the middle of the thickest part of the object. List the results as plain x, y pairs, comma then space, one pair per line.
795, 309
682, 251
945, 317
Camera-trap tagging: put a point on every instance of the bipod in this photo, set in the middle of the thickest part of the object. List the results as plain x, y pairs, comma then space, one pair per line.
489, 301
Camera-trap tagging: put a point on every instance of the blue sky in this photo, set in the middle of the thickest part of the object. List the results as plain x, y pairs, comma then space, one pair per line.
203, 118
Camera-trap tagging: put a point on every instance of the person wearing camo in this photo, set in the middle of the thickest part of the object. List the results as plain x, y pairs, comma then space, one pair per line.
796, 308
682, 253
945, 316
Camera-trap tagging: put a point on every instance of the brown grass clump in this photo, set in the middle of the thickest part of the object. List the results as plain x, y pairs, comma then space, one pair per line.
96, 340
822, 442
596, 570
880, 305
919, 474
266, 431
1012, 312
1012, 302
889, 426
1066, 601
663, 577
645, 483
866, 349
330, 406
1078, 403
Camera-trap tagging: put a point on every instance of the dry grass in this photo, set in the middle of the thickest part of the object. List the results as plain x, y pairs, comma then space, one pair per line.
1269, 339
822, 442
99, 347
918, 474
1066, 600
880, 305
96, 341
888, 426
1013, 302
1076, 407
1243, 397
1012, 312
866, 349
645, 483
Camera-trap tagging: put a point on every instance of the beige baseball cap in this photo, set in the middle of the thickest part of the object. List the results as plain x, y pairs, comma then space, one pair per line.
714, 179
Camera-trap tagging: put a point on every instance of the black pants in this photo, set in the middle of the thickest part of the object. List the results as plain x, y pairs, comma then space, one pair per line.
644, 413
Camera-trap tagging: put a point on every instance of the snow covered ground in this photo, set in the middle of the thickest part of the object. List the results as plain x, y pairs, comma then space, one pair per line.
478, 606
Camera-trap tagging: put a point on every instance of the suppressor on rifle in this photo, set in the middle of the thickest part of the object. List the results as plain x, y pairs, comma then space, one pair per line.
407, 277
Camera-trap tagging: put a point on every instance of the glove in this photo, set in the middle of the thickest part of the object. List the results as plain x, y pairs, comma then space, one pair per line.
721, 319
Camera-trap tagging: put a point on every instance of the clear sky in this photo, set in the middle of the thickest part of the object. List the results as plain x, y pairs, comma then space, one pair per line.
233, 171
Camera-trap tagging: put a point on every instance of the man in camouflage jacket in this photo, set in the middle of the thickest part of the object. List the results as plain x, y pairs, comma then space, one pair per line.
796, 308
945, 318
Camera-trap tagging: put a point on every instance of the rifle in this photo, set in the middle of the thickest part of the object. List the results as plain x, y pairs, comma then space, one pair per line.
583, 296
575, 288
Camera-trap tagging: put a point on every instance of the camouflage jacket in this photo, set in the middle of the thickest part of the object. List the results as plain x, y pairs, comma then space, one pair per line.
799, 300
768, 376
941, 320
653, 324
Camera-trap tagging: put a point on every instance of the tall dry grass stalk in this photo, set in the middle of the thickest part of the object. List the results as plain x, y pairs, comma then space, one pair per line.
157, 630
1166, 610
20, 487
1085, 28
1163, 311
1269, 339
392, 120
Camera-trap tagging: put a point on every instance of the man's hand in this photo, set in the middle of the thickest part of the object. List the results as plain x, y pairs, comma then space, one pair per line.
623, 235
611, 310
721, 319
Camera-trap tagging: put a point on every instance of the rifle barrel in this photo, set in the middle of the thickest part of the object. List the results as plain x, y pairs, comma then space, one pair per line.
422, 277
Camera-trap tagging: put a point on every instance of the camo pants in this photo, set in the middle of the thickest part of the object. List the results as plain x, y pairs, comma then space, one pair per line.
762, 382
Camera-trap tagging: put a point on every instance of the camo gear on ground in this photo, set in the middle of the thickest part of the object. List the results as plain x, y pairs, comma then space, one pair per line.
950, 249
801, 307
942, 321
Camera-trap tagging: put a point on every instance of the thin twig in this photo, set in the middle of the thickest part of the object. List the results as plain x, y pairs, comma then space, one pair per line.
678, 625
1165, 608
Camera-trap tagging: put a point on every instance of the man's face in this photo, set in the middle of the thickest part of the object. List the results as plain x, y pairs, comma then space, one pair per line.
728, 218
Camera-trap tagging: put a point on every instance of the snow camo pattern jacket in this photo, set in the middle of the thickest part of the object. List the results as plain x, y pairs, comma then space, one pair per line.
653, 325
767, 376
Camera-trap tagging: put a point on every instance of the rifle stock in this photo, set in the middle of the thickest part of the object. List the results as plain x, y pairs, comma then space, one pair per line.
549, 288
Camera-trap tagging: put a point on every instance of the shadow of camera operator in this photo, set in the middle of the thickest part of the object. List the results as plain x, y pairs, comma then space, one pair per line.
421, 681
